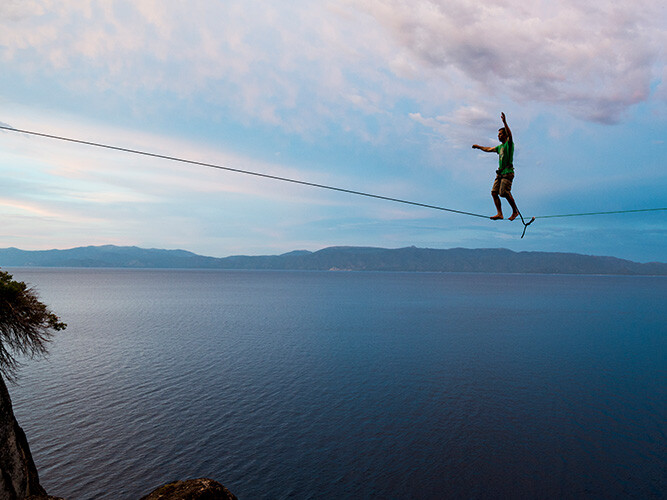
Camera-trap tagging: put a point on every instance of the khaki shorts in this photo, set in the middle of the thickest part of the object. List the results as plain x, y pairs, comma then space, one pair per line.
503, 184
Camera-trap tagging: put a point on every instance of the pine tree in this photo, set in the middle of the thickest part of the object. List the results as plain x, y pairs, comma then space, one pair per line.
26, 324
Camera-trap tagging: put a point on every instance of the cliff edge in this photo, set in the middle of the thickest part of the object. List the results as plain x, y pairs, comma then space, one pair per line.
18, 474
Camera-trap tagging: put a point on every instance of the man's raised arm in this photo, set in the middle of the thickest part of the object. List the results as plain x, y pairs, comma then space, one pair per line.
507, 127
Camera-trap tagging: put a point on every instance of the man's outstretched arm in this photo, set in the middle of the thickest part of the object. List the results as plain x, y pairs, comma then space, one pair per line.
484, 148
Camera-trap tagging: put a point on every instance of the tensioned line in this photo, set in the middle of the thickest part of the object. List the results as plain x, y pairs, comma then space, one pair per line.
238, 170
305, 183
602, 213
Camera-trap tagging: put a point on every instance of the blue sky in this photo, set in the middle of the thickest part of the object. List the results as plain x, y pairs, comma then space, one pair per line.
385, 97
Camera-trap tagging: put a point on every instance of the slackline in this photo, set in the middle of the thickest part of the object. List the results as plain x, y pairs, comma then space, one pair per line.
306, 183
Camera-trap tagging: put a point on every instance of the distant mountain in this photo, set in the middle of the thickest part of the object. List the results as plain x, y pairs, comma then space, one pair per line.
103, 256
491, 260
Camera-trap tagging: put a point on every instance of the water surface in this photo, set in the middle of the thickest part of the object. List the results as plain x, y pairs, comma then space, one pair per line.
350, 385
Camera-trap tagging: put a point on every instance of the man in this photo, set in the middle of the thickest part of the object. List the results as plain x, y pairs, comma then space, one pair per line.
502, 186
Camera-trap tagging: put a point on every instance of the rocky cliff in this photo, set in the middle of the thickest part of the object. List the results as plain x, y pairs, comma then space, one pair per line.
18, 474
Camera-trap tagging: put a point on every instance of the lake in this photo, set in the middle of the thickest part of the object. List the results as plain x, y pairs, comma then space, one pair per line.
349, 385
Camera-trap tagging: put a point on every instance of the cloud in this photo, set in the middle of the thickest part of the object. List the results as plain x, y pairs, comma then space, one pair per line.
269, 63
595, 59
89, 175
471, 117
462, 126
311, 68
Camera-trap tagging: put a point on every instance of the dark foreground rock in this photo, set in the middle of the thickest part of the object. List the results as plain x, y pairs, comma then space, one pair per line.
193, 489
18, 474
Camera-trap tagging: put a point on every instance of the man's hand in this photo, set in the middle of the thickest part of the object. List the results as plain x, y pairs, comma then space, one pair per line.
507, 127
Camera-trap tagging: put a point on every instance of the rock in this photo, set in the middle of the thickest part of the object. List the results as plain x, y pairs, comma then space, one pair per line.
193, 489
18, 474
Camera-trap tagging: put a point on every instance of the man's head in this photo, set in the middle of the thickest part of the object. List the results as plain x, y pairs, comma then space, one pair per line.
502, 134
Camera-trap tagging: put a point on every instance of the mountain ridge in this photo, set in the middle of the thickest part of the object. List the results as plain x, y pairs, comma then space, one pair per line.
411, 259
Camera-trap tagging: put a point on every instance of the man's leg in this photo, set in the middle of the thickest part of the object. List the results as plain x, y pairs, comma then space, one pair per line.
496, 201
506, 192
515, 210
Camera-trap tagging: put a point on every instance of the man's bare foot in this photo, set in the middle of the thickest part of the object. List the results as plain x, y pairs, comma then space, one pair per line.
497, 217
514, 216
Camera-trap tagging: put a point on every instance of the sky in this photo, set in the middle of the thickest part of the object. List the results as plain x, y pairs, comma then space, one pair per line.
384, 97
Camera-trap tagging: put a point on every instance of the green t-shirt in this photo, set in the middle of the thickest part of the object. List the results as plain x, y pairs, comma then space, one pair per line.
505, 157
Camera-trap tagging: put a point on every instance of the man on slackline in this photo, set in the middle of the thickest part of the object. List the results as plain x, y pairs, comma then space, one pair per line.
502, 186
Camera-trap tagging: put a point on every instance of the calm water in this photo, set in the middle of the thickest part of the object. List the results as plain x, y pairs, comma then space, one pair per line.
350, 385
